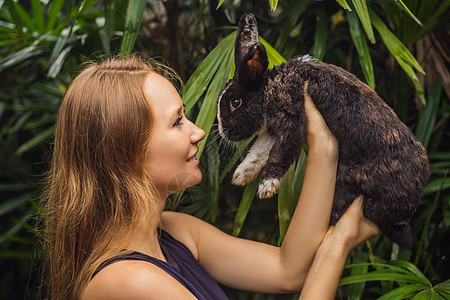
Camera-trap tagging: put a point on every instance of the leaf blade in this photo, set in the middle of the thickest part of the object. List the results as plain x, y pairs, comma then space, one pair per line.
133, 21
363, 13
53, 14
320, 36
364, 57
208, 111
197, 84
244, 206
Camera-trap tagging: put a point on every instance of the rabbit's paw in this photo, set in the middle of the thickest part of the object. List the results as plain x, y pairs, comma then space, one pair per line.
268, 187
245, 173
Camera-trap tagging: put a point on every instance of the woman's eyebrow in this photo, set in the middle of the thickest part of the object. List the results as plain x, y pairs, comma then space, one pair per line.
179, 110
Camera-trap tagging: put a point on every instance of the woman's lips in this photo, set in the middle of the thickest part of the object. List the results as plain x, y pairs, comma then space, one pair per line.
194, 158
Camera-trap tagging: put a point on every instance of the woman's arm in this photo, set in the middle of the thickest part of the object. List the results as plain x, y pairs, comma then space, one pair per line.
310, 221
249, 265
326, 270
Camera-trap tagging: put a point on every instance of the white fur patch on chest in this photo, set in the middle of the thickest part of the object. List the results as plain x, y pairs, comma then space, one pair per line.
255, 160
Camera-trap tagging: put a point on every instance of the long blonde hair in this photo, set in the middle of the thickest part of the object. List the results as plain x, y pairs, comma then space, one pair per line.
98, 188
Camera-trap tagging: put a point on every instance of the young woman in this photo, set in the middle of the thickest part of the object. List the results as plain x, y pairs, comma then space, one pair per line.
122, 146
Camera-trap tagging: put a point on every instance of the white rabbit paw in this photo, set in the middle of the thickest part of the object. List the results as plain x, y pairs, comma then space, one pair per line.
245, 173
268, 187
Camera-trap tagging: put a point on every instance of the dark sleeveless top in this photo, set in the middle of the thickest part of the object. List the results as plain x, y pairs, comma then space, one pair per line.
181, 265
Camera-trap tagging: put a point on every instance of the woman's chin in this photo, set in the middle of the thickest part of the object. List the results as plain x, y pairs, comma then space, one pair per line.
183, 181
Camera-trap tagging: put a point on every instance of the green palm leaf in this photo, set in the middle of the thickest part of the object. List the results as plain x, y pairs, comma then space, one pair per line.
38, 14
289, 193
320, 37
428, 118
208, 111
24, 16
198, 83
132, 23
244, 206
344, 4
356, 290
363, 13
34, 141
273, 4
359, 40
213, 158
275, 58
404, 58
405, 8
286, 202
55, 8
15, 18
413, 283
402, 292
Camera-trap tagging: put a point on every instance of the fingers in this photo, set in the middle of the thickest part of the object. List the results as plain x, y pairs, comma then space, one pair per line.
305, 88
309, 104
357, 207
316, 120
368, 228
319, 136
352, 228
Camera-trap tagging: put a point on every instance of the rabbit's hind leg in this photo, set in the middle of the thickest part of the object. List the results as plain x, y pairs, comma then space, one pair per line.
254, 161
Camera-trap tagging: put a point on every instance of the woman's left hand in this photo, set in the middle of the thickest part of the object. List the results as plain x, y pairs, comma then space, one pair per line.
351, 229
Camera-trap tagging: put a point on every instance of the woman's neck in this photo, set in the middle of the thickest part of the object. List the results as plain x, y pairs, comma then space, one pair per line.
145, 238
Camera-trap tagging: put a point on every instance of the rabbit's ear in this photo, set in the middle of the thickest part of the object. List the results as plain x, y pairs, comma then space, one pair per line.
246, 37
250, 56
250, 72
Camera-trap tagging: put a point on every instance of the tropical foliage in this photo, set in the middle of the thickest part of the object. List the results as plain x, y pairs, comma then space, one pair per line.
400, 48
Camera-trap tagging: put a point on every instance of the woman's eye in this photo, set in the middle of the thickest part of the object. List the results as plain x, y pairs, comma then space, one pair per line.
235, 103
178, 121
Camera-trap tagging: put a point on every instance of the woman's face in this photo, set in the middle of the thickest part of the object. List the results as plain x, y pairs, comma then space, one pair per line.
173, 144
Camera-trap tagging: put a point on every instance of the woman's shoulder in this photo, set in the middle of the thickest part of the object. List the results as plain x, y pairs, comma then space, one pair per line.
133, 279
184, 228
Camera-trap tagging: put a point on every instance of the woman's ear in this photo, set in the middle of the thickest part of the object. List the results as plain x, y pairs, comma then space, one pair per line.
250, 72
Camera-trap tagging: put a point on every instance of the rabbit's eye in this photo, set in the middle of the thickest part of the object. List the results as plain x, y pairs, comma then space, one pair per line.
235, 103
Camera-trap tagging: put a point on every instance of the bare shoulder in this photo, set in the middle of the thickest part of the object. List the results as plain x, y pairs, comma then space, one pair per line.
185, 228
134, 280
179, 222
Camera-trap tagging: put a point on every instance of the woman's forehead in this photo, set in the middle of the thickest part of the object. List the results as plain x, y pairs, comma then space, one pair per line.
162, 94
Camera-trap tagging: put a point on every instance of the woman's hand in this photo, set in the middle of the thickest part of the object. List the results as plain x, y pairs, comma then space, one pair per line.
351, 229
319, 135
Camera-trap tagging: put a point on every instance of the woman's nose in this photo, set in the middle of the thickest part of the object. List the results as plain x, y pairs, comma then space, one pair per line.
197, 135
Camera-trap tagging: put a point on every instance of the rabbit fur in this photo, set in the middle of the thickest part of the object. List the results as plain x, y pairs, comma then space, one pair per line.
379, 157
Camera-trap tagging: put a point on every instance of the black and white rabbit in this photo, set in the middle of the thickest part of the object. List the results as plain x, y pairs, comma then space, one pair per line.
379, 157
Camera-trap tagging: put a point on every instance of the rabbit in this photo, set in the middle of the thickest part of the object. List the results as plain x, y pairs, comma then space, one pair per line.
379, 157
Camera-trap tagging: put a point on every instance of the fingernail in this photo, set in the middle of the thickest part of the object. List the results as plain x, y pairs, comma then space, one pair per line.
306, 78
